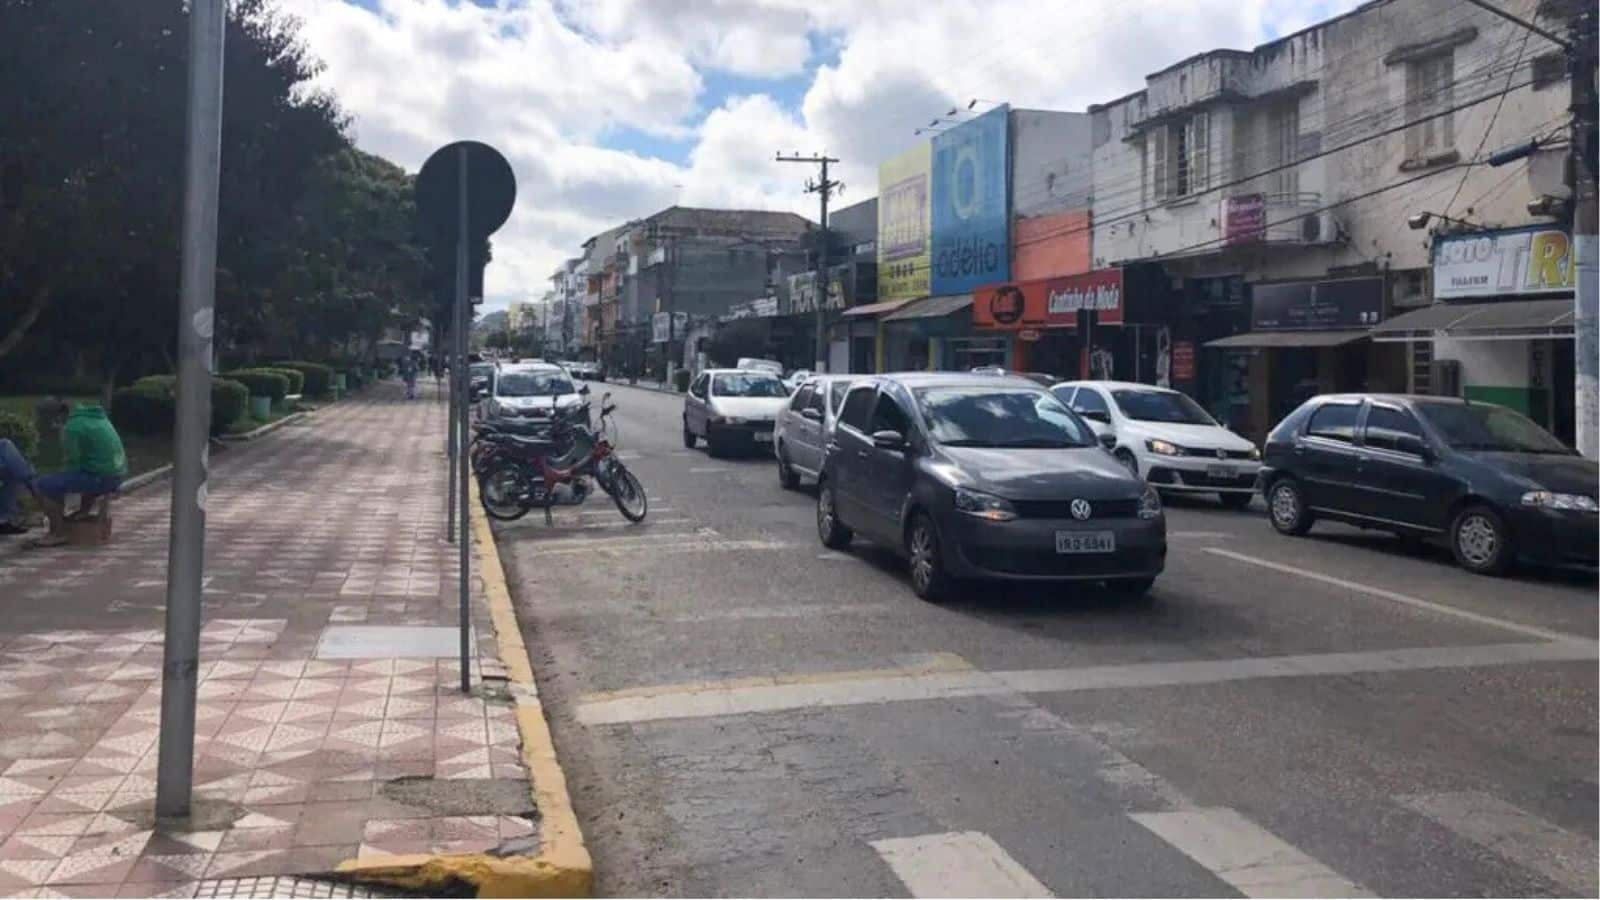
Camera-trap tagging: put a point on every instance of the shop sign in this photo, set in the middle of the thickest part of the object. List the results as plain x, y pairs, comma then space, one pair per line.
1050, 302
1028, 334
904, 224
1510, 263
1316, 305
759, 308
971, 204
661, 327
1100, 291
1245, 219
1182, 360
803, 290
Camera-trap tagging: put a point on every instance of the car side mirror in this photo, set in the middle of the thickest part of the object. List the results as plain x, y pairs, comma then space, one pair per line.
1410, 443
888, 440
811, 414
1109, 440
1096, 415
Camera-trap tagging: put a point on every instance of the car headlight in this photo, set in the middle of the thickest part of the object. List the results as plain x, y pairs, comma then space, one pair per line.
1165, 448
1149, 503
1255, 453
1552, 500
984, 506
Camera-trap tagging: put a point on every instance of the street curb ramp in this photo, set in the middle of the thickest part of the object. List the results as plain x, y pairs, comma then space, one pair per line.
562, 867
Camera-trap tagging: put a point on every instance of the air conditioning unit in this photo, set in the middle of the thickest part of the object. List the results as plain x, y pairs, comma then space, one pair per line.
1444, 377
1320, 228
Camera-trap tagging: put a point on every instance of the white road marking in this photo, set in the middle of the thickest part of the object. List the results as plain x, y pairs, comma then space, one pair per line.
1525, 839
705, 470
829, 555
560, 527
665, 545
895, 685
1200, 535
957, 864
793, 611
1402, 599
1253, 860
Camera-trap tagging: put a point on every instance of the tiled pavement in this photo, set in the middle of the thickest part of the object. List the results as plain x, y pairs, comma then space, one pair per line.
333, 521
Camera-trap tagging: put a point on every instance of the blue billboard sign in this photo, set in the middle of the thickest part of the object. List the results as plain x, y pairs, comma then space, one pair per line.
971, 208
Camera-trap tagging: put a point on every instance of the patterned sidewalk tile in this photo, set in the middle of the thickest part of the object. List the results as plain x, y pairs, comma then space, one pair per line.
330, 524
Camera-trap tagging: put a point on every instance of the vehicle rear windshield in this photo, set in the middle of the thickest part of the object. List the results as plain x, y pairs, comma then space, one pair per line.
483, 369
533, 384
989, 417
1162, 406
1484, 426
746, 384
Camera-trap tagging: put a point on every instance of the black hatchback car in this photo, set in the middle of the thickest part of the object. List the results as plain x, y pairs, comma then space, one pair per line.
979, 476
1488, 481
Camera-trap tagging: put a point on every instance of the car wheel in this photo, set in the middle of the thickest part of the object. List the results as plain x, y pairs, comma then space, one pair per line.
688, 436
1131, 588
1126, 458
1235, 501
832, 532
1286, 507
1480, 541
928, 578
787, 476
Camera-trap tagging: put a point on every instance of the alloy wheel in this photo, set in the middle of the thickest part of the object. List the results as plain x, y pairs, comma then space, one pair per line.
1478, 539
1285, 505
922, 557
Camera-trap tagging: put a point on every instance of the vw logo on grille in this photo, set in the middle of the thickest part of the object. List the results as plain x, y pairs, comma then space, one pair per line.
1081, 509
1221, 453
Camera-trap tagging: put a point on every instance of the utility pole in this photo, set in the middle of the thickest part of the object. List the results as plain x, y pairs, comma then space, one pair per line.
824, 189
186, 545
1581, 57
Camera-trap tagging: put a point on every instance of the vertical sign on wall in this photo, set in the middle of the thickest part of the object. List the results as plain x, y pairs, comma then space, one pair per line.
903, 225
971, 208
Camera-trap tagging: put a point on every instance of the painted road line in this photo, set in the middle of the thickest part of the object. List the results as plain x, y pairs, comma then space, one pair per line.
1246, 856
791, 611
561, 527
1402, 599
667, 546
1520, 837
957, 864
622, 541
1201, 535
706, 470
896, 685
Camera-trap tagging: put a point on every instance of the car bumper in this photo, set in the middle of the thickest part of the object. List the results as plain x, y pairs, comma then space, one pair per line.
755, 434
1025, 549
1559, 537
1194, 474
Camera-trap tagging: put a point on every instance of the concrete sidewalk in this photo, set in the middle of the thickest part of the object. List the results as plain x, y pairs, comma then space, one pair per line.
331, 724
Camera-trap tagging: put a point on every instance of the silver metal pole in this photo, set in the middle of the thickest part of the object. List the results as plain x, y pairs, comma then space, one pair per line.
463, 323
186, 540
450, 436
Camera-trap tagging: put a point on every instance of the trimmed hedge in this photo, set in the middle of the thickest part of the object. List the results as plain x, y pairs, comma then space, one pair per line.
149, 405
318, 377
297, 378
262, 382
18, 430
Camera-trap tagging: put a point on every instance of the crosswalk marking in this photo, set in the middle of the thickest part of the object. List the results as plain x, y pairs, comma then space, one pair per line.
1251, 859
957, 864
1568, 859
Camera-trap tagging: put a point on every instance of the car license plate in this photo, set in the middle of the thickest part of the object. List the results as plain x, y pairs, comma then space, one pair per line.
763, 437
1086, 542
1220, 472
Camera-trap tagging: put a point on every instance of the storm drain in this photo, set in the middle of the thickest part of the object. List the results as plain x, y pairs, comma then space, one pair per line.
271, 886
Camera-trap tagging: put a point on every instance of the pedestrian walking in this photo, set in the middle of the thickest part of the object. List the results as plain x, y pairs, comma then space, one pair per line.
408, 374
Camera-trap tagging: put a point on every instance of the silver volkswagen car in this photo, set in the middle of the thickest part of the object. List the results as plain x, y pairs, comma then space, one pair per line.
801, 434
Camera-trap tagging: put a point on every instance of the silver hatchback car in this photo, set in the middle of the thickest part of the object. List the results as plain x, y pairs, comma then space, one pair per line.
800, 437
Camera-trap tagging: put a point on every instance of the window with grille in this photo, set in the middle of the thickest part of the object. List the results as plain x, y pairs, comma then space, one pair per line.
1429, 91
1285, 124
1181, 157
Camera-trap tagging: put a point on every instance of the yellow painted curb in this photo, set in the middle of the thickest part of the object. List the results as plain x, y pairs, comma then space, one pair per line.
563, 867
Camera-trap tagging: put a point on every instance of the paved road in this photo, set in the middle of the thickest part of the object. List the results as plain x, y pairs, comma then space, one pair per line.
742, 712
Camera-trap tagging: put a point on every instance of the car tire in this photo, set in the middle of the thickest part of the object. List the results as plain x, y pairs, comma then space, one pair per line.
1236, 501
834, 535
1131, 588
788, 478
926, 558
1286, 507
1480, 541
1127, 458
688, 436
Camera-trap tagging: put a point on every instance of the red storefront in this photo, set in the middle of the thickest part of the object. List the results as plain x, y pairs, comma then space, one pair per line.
1056, 322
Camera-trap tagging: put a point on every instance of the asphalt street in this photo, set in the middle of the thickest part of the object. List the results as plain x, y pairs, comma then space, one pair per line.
741, 712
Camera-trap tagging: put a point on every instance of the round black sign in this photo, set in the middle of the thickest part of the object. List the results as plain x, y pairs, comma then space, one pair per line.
1006, 305
491, 190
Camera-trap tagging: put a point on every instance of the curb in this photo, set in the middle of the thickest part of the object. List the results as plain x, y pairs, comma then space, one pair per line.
144, 478
263, 430
563, 867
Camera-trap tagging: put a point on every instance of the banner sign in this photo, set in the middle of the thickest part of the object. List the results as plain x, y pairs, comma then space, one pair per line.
904, 225
1050, 302
971, 208
1245, 219
1510, 263
661, 327
1312, 305
803, 290
759, 308
1182, 360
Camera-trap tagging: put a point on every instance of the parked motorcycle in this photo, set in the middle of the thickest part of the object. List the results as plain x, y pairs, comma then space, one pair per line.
520, 474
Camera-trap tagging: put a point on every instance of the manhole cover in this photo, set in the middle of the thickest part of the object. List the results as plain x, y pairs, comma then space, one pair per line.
269, 886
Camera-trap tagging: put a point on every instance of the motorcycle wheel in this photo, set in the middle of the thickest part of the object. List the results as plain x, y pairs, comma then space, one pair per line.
628, 494
503, 491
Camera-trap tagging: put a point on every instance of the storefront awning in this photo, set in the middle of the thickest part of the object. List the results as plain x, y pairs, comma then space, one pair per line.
875, 309
1265, 340
932, 308
1503, 320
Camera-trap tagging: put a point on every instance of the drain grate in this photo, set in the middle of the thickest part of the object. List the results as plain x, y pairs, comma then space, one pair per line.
271, 886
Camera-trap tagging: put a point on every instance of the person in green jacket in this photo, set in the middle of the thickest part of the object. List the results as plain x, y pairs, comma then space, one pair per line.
95, 465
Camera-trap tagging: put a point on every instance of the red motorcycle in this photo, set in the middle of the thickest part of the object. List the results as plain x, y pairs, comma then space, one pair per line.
520, 474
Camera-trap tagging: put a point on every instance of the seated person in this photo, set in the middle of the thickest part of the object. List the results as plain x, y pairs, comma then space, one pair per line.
95, 466
15, 473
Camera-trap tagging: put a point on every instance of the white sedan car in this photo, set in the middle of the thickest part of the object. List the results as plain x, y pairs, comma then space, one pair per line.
732, 408
1167, 438
535, 390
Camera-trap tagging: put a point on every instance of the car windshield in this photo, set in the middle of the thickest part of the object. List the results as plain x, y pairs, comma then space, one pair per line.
1161, 406
1484, 426
483, 369
533, 384
748, 384
989, 417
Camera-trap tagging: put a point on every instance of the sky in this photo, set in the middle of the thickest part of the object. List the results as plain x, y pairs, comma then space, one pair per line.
614, 109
